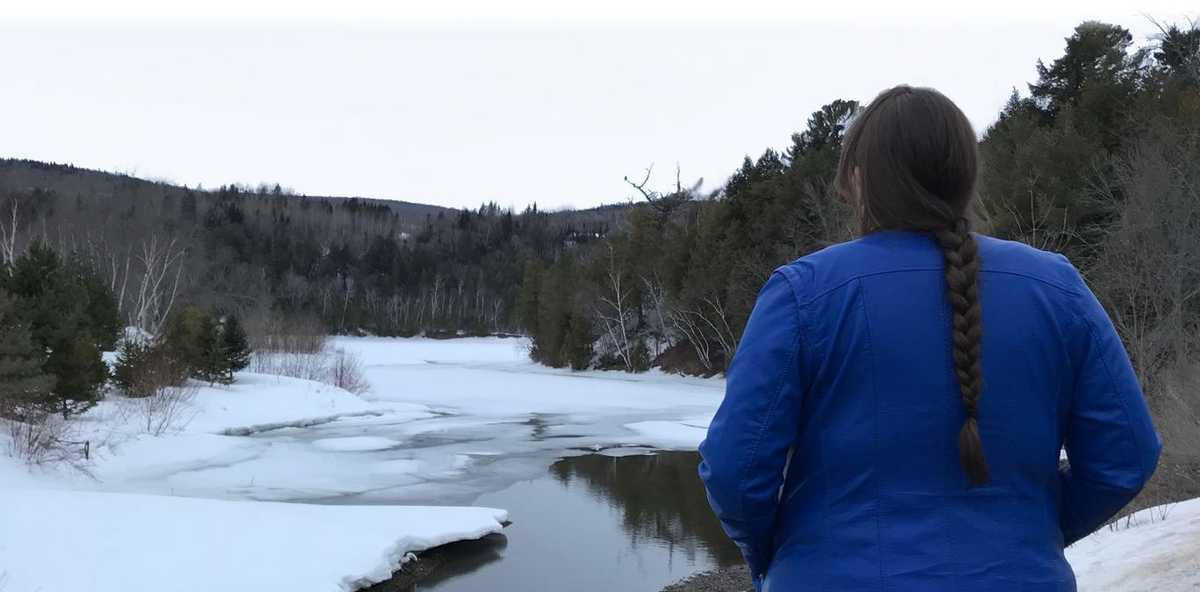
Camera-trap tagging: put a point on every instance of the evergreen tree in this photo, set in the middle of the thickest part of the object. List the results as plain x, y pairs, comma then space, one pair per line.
64, 303
80, 371
577, 343
23, 384
143, 368
212, 365
132, 358
640, 356
235, 347
98, 309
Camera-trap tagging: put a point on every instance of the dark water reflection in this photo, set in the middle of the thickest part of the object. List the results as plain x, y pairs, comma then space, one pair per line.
595, 523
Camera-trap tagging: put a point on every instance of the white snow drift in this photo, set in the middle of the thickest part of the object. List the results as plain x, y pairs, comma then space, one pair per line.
72, 541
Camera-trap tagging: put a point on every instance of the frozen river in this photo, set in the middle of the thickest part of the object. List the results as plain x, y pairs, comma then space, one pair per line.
597, 469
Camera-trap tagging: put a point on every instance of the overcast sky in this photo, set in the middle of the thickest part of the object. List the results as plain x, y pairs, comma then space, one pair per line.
523, 103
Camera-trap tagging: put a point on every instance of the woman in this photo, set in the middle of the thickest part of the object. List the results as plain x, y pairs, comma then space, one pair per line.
896, 410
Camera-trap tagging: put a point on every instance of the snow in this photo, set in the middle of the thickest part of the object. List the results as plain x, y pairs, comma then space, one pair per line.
355, 444
258, 399
685, 434
1159, 551
124, 542
443, 422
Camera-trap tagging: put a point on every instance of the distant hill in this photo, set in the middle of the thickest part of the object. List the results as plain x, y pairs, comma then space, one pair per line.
379, 265
70, 180
66, 179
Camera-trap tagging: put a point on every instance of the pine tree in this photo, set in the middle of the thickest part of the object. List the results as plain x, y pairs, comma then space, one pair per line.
23, 384
235, 347
640, 356
80, 370
65, 306
577, 343
100, 316
186, 341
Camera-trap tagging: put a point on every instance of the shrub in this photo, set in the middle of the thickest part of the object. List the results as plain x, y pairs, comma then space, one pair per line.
144, 368
345, 371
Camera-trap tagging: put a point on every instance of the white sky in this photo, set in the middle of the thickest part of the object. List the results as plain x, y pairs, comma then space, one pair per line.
460, 103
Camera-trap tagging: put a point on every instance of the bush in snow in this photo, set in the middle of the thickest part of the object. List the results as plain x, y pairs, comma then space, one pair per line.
345, 371
165, 409
144, 368
42, 438
336, 367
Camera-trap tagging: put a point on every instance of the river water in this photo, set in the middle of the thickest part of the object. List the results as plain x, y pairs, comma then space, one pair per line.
582, 462
595, 523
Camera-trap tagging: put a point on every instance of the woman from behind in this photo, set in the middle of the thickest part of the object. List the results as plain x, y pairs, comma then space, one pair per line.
895, 411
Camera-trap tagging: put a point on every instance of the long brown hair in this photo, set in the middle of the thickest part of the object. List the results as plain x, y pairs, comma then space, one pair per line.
909, 162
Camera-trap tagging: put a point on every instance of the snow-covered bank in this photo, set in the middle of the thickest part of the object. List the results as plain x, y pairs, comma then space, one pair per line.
444, 422
119, 538
1159, 551
72, 541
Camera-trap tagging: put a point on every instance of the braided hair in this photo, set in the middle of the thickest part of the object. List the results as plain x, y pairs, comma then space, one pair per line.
909, 162
961, 255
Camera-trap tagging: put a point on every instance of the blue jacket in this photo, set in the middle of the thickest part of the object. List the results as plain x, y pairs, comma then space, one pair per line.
833, 460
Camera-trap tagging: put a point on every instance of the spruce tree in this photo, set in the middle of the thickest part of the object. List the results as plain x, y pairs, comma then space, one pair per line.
235, 347
62, 313
212, 366
23, 385
132, 359
80, 370
577, 343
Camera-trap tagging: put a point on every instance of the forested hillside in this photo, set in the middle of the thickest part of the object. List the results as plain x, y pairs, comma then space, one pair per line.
1098, 159
349, 264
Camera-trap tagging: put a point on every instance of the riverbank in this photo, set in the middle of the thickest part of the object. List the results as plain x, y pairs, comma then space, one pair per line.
463, 422
731, 579
1153, 550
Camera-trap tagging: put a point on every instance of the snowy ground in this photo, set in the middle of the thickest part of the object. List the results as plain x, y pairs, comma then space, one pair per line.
1157, 550
75, 541
444, 422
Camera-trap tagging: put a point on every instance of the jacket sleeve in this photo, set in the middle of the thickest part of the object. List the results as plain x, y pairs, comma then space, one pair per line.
749, 440
1112, 447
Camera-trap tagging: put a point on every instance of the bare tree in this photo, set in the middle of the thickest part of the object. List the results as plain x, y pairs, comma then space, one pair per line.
161, 268
658, 308
8, 233
613, 310
1146, 271
666, 204
689, 324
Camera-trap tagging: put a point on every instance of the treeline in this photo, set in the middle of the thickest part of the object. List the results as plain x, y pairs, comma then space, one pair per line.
1097, 160
354, 265
57, 317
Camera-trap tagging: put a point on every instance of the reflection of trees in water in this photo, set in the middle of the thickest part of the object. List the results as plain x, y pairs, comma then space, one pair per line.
660, 496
